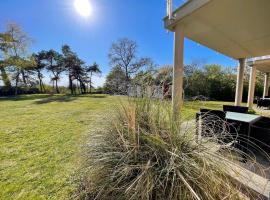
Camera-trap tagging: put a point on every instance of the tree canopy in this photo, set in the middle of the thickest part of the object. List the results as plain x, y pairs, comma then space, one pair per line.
23, 71
123, 55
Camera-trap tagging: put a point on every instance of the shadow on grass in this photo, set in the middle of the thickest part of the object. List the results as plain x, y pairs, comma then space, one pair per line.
24, 97
47, 98
95, 96
66, 98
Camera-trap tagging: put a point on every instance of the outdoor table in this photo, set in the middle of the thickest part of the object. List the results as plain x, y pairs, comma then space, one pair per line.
242, 117
243, 122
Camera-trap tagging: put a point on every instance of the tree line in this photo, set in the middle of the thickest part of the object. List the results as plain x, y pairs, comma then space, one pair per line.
24, 73
212, 81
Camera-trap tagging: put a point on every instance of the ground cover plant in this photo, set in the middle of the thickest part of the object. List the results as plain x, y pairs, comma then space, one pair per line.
145, 154
42, 137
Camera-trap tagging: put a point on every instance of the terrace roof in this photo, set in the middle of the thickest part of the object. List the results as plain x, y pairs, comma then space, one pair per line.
236, 28
262, 63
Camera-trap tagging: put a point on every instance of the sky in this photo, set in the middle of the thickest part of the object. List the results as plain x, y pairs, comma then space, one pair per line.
52, 23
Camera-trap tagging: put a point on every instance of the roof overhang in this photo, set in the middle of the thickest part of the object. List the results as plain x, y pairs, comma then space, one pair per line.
262, 65
236, 28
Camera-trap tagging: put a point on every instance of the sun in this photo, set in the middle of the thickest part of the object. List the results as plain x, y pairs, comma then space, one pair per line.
83, 7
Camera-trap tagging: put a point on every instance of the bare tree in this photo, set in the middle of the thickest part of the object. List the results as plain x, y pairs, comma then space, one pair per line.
123, 54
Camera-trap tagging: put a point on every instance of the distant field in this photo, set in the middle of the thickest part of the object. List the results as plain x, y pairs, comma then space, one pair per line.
40, 139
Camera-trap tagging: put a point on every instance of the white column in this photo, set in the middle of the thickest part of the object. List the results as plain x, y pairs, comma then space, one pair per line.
240, 82
178, 68
266, 84
251, 89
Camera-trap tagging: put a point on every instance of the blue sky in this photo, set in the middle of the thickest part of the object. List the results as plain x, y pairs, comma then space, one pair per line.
52, 23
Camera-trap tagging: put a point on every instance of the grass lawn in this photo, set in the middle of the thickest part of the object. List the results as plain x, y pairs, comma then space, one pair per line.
40, 140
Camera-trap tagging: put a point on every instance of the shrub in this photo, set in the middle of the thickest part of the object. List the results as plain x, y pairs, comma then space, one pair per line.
5, 91
147, 155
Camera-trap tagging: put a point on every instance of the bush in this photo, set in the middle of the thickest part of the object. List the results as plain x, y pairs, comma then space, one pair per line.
147, 155
6, 91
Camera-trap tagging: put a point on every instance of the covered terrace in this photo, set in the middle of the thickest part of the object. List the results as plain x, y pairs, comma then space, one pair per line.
236, 28
263, 65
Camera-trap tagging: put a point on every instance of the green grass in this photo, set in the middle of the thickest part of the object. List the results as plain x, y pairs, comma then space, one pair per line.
190, 108
40, 137
40, 140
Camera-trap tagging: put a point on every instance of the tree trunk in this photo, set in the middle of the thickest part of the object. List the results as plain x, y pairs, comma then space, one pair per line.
127, 80
56, 86
5, 78
16, 83
23, 77
53, 86
40, 86
91, 83
70, 85
44, 90
83, 87
40, 82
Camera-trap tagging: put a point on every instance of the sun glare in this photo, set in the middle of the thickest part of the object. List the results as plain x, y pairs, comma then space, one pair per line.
83, 7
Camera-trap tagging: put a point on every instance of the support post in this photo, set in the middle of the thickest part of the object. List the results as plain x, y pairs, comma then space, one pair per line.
266, 85
178, 71
240, 82
251, 90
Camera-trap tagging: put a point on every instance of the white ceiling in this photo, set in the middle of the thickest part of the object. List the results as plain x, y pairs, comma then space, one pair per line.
236, 28
262, 65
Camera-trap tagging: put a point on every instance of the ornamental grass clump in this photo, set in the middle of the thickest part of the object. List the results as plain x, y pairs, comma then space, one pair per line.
147, 155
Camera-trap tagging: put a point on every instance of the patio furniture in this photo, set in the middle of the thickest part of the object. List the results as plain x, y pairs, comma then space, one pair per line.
218, 124
240, 128
263, 102
260, 133
238, 109
210, 122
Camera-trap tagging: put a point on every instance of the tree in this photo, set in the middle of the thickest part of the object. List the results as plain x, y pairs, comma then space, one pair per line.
115, 81
39, 67
123, 55
5, 43
70, 60
79, 73
77, 70
16, 53
55, 64
93, 69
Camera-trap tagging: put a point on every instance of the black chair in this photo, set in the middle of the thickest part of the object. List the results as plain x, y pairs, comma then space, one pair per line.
239, 109
212, 122
260, 133
263, 103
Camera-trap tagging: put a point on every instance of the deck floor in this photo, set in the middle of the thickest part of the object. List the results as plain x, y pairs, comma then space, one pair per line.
255, 173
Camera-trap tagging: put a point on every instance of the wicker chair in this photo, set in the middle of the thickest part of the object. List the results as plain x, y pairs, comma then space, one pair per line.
212, 122
263, 103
